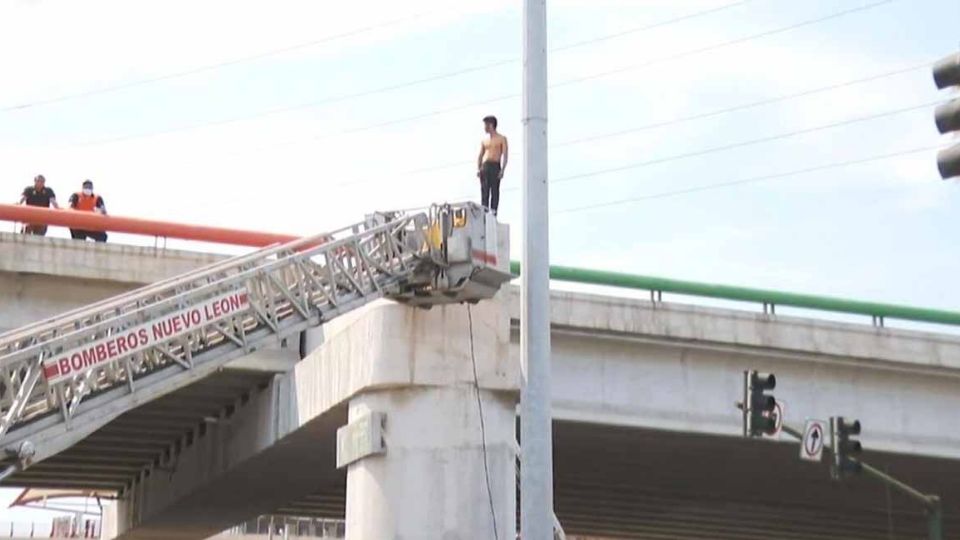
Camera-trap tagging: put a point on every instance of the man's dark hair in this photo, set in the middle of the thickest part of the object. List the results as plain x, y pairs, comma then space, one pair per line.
492, 120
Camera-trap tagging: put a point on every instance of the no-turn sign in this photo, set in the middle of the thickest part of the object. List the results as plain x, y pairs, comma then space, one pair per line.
811, 448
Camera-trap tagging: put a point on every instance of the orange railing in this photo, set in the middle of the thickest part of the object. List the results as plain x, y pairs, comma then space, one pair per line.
91, 221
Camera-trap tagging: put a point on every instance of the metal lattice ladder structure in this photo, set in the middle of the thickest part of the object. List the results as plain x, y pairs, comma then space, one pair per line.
63, 378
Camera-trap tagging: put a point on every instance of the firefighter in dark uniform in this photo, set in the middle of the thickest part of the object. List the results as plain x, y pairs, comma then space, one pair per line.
38, 195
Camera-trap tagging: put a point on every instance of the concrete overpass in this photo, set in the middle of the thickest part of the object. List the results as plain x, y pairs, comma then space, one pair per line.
646, 434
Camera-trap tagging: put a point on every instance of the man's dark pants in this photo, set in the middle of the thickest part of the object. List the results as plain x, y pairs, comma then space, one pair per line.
490, 185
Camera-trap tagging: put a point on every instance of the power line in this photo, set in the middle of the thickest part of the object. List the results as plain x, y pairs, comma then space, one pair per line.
491, 65
674, 121
211, 67
752, 179
590, 77
309, 105
658, 24
368, 127
587, 78
741, 144
620, 70
686, 155
745, 106
728, 43
414, 82
639, 128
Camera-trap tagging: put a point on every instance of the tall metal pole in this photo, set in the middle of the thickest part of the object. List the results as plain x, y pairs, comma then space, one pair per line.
536, 434
935, 519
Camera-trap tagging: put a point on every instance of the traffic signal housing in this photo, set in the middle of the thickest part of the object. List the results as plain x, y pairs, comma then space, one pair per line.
846, 449
946, 73
758, 407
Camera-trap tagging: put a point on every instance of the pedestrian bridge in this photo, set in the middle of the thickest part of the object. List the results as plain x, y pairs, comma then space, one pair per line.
647, 438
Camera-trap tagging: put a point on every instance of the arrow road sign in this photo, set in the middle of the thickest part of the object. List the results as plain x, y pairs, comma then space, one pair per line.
811, 448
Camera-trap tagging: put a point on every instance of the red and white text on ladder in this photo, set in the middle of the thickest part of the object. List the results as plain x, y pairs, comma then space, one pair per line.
136, 339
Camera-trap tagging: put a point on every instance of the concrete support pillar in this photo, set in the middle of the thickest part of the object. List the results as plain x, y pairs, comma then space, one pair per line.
431, 482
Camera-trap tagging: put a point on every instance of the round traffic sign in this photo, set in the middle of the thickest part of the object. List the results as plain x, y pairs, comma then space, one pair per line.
813, 440
778, 417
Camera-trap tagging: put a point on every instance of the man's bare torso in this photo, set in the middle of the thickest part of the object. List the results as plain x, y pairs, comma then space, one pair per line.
493, 148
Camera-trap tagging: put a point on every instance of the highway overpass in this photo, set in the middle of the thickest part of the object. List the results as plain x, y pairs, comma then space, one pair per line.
647, 438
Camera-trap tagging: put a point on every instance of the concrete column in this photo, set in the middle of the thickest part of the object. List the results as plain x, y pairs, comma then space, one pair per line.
431, 483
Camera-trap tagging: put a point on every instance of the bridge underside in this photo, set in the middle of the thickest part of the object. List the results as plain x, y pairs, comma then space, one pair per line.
610, 481
655, 484
636, 483
148, 437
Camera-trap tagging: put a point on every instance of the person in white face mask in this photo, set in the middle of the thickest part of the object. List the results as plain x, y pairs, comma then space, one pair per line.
88, 201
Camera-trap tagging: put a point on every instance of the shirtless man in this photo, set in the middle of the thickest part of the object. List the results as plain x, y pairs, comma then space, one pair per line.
491, 163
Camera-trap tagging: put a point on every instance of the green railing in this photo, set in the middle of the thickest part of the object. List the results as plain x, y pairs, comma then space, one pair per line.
768, 298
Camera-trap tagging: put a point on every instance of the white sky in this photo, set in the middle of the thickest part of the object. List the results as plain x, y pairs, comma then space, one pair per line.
882, 230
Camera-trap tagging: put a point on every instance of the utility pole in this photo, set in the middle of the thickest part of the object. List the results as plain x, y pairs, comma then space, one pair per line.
536, 432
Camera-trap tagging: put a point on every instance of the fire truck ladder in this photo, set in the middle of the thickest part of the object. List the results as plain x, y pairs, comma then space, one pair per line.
63, 378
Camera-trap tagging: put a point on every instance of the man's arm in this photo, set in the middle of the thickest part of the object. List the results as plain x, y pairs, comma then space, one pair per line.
101, 207
72, 201
506, 157
23, 197
480, 158
53, 200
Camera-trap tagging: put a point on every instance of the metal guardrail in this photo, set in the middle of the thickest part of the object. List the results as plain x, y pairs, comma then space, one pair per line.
288, 527
58, 528
768, 298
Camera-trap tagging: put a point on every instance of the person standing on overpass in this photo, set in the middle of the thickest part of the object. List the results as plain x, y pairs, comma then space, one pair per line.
491, 164
38, 195
88, 201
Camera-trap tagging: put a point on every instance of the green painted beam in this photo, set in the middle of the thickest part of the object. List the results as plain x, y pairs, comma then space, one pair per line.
745, 294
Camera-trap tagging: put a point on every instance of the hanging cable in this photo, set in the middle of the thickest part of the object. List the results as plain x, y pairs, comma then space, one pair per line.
483, 429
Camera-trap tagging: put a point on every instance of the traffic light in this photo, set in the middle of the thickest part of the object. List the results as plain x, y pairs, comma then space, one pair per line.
758, 407
946, 73
846, 451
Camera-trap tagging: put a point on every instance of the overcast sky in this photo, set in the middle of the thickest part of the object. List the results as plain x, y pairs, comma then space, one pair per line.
300, 116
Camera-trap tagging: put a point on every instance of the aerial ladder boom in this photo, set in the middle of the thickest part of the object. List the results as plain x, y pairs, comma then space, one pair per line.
64, 377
